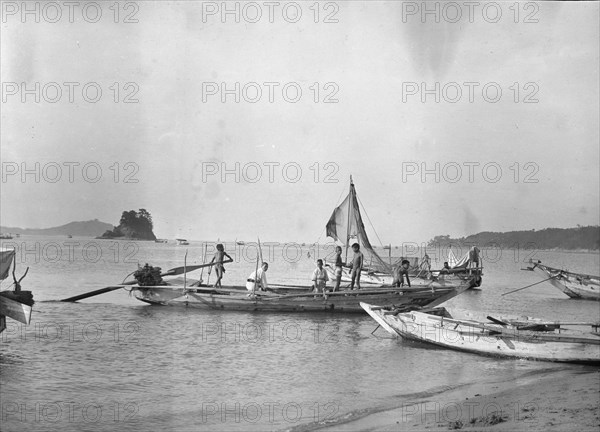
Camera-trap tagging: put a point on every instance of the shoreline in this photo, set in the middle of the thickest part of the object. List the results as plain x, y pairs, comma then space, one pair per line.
549, 401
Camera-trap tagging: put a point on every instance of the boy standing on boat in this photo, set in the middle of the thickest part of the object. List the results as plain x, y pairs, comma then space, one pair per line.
258, 279
320, 278
338, 268
357, 265
218, 260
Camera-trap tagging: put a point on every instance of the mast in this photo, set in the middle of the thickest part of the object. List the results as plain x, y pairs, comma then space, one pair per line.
350, 202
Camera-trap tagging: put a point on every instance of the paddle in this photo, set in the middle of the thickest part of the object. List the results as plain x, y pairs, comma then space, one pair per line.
519, 289
97, 292
496, 321
180, 270
172, 272
204, 261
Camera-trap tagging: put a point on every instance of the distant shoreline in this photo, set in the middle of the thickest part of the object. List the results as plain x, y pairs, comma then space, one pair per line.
310, 246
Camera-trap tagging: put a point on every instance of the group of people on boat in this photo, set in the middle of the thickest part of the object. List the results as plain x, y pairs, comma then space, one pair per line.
257, 280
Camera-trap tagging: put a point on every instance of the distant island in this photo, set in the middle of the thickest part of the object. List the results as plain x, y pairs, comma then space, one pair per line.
91, 228
132, 226
587, 237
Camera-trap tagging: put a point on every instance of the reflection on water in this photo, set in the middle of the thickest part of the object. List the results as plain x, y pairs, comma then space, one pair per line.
112, 362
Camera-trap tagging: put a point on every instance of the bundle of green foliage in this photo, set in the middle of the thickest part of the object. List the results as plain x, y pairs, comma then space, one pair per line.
148, 276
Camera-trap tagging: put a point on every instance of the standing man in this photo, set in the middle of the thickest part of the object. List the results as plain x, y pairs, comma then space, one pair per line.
258, 279
338, 268
356, 265
219, 267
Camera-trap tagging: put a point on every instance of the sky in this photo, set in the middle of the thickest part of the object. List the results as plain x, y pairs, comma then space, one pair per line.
452, 123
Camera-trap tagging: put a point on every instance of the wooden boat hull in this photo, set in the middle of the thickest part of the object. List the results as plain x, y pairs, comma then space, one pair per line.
237, 298
577, 286
15, 305
488, 339
378, 279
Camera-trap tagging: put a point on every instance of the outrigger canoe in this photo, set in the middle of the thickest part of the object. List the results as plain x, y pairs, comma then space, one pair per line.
16, 304
531, 339
575, 285
239, 298
346, 226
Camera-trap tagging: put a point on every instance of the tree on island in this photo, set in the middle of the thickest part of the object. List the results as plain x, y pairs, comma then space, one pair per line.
133, 225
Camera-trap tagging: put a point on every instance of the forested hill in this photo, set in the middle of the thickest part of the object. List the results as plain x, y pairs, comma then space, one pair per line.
90, 228
550, 238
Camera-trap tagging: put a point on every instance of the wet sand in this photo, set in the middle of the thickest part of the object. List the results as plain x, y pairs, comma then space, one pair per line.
567, 400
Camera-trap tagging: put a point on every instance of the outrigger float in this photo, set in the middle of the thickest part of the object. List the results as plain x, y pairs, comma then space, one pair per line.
575, 285
16, 304
529, 339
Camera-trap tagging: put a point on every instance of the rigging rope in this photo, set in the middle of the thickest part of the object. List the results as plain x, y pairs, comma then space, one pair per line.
369, 219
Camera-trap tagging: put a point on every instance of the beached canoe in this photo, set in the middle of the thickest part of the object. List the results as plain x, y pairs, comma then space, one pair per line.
295, 300
531, 340
575, 285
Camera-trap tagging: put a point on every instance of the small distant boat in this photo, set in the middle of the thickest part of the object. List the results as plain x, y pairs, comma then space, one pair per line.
161, 241
182, 242
575, 285
16, 304
531, 339
69, 236
240, 243
5, 236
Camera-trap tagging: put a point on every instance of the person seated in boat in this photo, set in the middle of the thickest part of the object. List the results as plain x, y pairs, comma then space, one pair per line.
401, 272
356, 265
218, 259
320, 278
257, 281
445, 270
338, 268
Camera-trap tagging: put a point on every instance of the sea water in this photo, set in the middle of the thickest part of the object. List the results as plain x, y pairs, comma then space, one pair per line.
113, 363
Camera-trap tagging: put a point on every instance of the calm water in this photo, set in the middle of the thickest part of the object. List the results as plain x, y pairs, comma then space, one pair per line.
111, 362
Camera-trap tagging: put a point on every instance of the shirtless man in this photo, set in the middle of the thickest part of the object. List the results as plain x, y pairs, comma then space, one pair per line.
218, 259
356, 265
338, 268
401, 273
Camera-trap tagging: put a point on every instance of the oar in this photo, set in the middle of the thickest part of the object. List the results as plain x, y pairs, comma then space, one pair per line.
185, 270
172, 272
180, 270
496, 321
204, 261
519, 289
97, 292
260, 251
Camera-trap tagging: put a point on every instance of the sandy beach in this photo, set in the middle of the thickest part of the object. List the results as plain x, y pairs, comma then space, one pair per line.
568, 400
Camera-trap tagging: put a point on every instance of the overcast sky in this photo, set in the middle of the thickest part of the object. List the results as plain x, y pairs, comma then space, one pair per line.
379, 125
